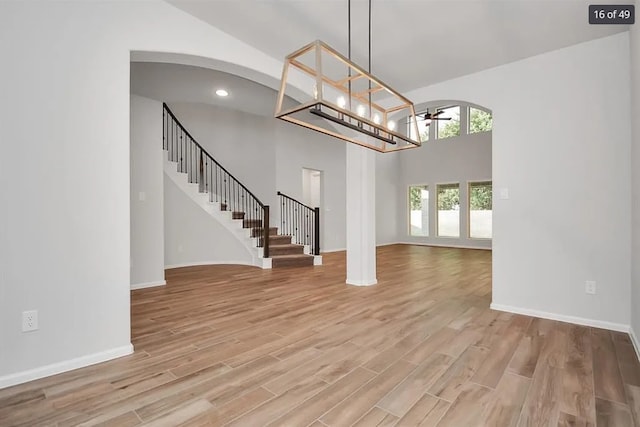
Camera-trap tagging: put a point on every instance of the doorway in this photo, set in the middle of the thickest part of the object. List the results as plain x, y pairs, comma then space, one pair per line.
312, 194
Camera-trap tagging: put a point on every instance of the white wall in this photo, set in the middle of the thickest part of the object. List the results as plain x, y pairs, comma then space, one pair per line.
389, 198
193, 237
147, 219
453, 160
65, 248
635, 182
561, 145
298, 148
239, 141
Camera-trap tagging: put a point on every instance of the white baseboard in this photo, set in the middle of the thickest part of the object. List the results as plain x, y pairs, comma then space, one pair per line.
361, 282
636, 343
67, 365
197, 263
148, 285
440, 245
326, 251
619, 327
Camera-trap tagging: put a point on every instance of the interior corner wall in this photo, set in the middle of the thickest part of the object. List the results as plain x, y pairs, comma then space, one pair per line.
561, 146
65, 225
635, 181
461, 160
147, 200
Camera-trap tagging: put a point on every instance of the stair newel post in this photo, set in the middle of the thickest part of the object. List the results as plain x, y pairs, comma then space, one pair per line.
265, 224
316, 231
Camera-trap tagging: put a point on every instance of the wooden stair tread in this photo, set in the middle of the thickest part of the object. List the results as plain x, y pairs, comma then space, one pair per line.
280, 237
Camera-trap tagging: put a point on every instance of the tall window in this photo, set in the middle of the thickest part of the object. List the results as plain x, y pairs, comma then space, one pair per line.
449, 210
419, 210
423, 129
449, 128
480, 210
479, 120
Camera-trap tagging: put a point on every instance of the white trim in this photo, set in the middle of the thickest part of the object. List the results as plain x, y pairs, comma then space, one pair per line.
360, 282
326, 251
197, 263
148, 285
388, 244
67, 365
437, 245
619, 327
636, 343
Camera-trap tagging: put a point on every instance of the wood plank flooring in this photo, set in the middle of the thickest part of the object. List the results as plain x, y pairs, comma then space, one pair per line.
239, 346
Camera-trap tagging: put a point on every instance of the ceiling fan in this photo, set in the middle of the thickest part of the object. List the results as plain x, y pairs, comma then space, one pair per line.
432, 116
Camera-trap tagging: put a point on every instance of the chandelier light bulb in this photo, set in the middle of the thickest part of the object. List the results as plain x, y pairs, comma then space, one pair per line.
376, 119
341, 102
315, 91
361, 110
391, 125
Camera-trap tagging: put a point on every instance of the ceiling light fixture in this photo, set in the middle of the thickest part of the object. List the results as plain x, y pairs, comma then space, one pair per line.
344, 94
222, 93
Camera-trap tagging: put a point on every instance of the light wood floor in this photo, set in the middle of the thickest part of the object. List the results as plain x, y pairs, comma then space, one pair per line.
247, 347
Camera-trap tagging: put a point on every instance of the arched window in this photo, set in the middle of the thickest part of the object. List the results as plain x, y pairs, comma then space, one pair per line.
454, 119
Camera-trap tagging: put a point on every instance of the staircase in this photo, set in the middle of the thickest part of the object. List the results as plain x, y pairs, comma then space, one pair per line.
221, 195
282, 252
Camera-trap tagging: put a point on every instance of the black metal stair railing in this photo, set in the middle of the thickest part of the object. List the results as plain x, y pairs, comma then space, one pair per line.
214, 179
301, 222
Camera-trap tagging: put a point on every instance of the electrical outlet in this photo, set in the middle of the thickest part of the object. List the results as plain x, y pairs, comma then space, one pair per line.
29, 320
590, 287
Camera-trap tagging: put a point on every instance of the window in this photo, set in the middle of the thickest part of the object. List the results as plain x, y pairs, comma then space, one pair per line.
449, 210
449, 128
419, 210
480, 211
479, 120
423, 129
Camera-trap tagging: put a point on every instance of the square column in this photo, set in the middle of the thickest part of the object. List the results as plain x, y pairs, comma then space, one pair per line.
361, 216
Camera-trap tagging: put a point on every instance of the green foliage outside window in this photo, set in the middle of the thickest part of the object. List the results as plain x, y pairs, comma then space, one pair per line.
448, 198
479, 121
480, 197
415, 197
451, 127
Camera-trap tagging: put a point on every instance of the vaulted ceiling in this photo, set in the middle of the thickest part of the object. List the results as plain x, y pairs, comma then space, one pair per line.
415, 43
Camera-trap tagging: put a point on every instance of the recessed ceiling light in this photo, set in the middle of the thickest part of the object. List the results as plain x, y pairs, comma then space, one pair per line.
222, 93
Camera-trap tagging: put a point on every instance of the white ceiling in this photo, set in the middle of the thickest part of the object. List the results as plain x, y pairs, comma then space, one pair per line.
415, 43
184, 83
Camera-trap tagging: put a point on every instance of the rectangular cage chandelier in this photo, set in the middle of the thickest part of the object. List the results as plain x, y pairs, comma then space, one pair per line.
345, 101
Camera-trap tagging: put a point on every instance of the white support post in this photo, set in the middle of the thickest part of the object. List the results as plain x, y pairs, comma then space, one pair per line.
361, 216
